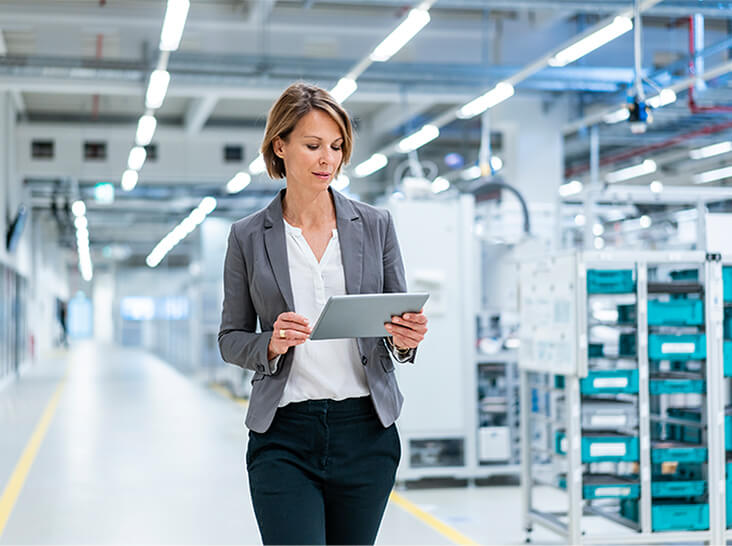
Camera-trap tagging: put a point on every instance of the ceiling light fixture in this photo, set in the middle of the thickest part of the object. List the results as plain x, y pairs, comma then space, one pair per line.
501, 92
647, 167
371, 165
416, 140
618, 27
408, 29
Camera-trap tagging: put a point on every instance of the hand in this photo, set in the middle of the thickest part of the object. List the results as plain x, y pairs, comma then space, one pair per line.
290, 329
408, 330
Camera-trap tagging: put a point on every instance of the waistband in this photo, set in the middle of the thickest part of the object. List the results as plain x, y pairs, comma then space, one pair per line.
350, 406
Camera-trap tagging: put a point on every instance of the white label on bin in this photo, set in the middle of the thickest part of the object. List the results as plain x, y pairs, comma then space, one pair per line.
563, 445
613, 491
679, 348
610, 382
613, 449
608, 420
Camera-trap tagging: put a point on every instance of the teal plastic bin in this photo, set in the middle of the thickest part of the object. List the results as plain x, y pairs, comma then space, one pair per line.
727, 356
676, 489
560, 442
685, 275
604, 486
662, 452
668, 384
727, 323
610, 281
679, 517
596, 350
627, 313
677, 347
627, 345
684, 312
727, 283
681, 433
610, 382
629, 509
609, 447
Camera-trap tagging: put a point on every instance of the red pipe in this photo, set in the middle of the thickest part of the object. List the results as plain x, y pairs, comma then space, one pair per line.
696, 109
708, 130
95, 97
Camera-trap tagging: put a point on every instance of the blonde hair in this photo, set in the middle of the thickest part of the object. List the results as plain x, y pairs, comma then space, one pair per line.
295, 102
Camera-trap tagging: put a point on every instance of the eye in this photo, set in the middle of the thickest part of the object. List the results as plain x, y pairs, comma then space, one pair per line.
336, 148
312, 146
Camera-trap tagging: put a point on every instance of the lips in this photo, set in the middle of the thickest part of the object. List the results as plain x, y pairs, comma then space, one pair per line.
324, 176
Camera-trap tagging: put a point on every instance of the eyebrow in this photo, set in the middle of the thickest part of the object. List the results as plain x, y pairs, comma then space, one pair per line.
317, 137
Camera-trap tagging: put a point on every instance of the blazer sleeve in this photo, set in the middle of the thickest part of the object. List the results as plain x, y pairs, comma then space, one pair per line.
239, 342
394, 281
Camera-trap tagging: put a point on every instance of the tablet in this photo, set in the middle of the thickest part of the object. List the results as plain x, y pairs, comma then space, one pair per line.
363, 315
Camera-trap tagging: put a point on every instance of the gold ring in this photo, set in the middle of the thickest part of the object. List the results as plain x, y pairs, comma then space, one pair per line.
282, 333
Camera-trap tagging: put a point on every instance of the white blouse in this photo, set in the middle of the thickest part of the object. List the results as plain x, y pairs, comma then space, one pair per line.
329, 369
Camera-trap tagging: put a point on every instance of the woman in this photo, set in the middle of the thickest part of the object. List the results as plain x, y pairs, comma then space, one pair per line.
323, 448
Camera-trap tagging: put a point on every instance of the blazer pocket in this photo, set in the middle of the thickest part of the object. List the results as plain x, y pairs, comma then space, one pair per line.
387, 363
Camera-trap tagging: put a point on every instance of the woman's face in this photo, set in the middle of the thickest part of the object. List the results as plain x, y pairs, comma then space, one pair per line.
312, 152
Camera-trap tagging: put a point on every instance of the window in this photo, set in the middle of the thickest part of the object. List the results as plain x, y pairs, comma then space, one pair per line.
152, 152
233, 153
42, 149
95, 151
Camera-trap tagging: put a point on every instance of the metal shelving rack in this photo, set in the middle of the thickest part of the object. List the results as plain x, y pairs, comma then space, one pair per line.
554, 341
503, 366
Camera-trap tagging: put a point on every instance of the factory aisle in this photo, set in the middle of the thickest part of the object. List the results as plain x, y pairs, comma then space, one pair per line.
104, 445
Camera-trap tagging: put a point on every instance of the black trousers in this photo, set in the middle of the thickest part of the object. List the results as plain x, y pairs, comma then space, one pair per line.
322, 473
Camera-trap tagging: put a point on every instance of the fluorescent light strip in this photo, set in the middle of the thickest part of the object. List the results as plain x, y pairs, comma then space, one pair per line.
240, 181
570, 188
157, 88
375, 163
129, 179
416, 140
647, 167
616, 117
136, 159
415, 21
78, 208
344, 89
145, 130
501, 92
173, 23
712, 176
664, 98
181, 231
618, 27
711, 150
257, 166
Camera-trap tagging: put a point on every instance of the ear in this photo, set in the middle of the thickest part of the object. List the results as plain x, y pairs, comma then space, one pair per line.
278, 146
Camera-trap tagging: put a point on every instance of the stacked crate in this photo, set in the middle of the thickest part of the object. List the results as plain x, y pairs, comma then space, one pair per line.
609, 398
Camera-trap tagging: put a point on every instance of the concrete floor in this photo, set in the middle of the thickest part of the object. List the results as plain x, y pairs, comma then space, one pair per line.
136, 453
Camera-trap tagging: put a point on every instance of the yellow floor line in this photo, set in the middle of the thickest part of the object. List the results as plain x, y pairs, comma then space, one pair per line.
223, 391
21, 470
444, 529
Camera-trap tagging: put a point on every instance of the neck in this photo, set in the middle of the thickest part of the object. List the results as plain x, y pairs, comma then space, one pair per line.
308, 209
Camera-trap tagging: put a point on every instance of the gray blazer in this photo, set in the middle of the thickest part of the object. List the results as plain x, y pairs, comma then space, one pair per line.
257, 286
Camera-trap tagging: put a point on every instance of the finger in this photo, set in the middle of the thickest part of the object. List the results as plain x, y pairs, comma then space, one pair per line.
416, 326
417, 318
285, 335
296, 326
293, 317
406, 333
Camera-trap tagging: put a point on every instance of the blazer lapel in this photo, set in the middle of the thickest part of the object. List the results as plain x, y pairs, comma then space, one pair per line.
350, 238
276, 246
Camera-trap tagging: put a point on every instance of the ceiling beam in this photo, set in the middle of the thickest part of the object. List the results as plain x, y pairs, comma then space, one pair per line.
198, 113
